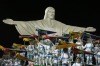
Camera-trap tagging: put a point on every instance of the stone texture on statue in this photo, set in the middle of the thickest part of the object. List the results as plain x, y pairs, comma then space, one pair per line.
48, 23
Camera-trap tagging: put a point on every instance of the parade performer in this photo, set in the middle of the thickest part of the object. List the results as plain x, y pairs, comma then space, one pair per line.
41, 52
97, 54
80, 42
78, 62
70, 41
48, 43
98, 57
89, 48
65, 57
30, 50
56, 56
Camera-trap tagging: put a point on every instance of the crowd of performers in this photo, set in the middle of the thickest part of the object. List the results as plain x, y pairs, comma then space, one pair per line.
44, 52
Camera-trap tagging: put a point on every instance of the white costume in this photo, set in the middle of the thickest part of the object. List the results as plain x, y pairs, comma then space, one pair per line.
48, 23
97, 54
16, 62
98, 57
56, 57
30, 51
65, 59
41, 49
23, 51
79, 47
69, 50
77, 64
47, 44
88, 47
79, 42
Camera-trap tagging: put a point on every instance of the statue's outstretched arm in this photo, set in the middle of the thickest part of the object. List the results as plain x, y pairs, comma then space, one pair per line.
90, 29
78, 29
9, 21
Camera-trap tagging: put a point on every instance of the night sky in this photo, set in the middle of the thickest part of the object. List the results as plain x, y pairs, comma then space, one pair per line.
71, 13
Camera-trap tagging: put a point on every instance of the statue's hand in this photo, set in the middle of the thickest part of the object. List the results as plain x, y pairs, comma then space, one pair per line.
8, 21
90, 29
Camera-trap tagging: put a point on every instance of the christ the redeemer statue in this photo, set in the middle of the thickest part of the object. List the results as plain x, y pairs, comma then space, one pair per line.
47, 23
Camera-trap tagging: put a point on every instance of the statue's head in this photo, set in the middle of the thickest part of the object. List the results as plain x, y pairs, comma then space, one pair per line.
49, 13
